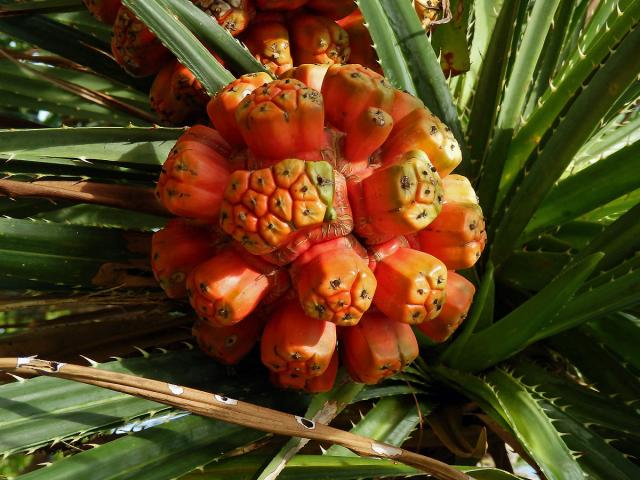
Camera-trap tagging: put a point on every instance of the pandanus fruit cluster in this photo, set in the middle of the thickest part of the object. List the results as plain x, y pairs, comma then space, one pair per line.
280, 34
320, 216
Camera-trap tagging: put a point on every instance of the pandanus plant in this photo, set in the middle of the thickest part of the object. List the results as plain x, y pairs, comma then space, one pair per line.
444, 237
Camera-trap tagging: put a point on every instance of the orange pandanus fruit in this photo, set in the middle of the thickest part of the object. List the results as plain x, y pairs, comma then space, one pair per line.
376, 348
334, 9
268, 40
232, 343
360, 41
311, 74
396, 199
104, 10
316, 39
282, 119
334, 282
176, 250
295, 344
222, 108
358, 102
229, 286
263, 209
321, 383
135, 47
458, 235
177, 95
233, 15
460, 292
411, 284
422, 130
338, 227
194, 175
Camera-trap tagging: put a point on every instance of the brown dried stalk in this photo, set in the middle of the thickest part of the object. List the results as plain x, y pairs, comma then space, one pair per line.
119, 196
229, 410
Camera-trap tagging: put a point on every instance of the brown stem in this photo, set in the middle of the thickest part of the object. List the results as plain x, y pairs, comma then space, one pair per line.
138, 199
232, 411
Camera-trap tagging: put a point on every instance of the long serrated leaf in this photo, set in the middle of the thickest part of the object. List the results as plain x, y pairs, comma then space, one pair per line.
146, 147
474, 387
534, 429
73, 255
574, 410
162, 452
516, 330
550, 53
602, 461
215, 36
533, 270
584, 404
570, 81
386, 45
326, 467
323, 408
619, 241
42, 410
578, 124
602, 182
98, 216
70, 43
621, 334
391, 420
513, 101
424, 67
599, 367
596, 302
490, 83
84, 21
182, 43
37, 6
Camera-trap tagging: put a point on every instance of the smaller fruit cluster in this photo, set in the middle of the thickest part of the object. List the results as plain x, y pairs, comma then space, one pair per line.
280, 35
320, 216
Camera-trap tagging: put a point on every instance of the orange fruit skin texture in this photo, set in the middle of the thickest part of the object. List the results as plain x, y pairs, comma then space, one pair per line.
222, 107
135, 47
317, 39
336, 291
233, 15
321, 383
411, 286
356, 102
227, 287
311, 74
295, 344
459, 296
395, 199
282, 119
289, 222
458, 235
177, 96
376, 348
104, 10
268, 41
176, 250
262, 209
303, 240
194, 175
232, 343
